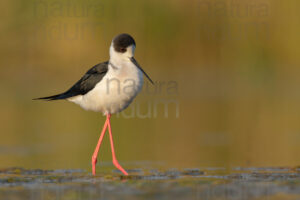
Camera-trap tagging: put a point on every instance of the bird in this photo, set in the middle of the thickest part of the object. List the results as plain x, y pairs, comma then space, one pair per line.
108, 87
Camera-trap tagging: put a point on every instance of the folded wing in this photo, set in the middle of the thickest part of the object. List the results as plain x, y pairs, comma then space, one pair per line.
84, 85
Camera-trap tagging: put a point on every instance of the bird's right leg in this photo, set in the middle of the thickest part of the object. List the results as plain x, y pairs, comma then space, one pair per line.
95, 154
115, 161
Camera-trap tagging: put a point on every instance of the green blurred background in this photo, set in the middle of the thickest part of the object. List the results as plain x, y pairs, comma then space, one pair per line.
227, 70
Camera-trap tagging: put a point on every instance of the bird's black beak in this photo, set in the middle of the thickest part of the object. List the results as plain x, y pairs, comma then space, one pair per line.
138, 66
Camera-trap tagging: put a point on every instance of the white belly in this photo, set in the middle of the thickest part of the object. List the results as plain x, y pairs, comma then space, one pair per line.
114, 92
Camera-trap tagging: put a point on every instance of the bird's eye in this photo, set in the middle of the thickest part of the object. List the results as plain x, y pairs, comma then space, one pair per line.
123, 50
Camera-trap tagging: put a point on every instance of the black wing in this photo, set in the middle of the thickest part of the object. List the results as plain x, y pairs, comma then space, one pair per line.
84, 85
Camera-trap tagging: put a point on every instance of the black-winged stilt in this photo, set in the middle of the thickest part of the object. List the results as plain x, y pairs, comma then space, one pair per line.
108, 87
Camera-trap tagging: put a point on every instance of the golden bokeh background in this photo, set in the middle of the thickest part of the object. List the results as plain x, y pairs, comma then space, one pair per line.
227, 73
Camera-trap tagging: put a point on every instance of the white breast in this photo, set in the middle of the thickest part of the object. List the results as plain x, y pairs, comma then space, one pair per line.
115, 91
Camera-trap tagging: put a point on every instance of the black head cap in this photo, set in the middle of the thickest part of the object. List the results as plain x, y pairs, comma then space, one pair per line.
122, 41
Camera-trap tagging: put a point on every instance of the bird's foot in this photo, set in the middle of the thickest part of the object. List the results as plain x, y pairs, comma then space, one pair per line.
119, 167
94, 162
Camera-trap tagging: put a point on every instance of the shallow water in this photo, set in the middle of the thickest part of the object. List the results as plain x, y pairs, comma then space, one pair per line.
198, 183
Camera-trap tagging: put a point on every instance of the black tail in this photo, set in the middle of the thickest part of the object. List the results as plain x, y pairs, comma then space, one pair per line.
54, 97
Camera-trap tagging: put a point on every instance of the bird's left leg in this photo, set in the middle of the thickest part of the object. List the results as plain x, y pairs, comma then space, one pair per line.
95, 154
115, 161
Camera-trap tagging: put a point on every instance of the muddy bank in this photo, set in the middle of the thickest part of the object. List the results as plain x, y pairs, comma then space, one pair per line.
198, 183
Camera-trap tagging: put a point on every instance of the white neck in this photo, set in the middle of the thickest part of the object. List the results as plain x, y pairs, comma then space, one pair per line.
117, 58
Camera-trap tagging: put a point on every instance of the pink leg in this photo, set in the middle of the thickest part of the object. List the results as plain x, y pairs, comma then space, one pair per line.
95, 154
115, 162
